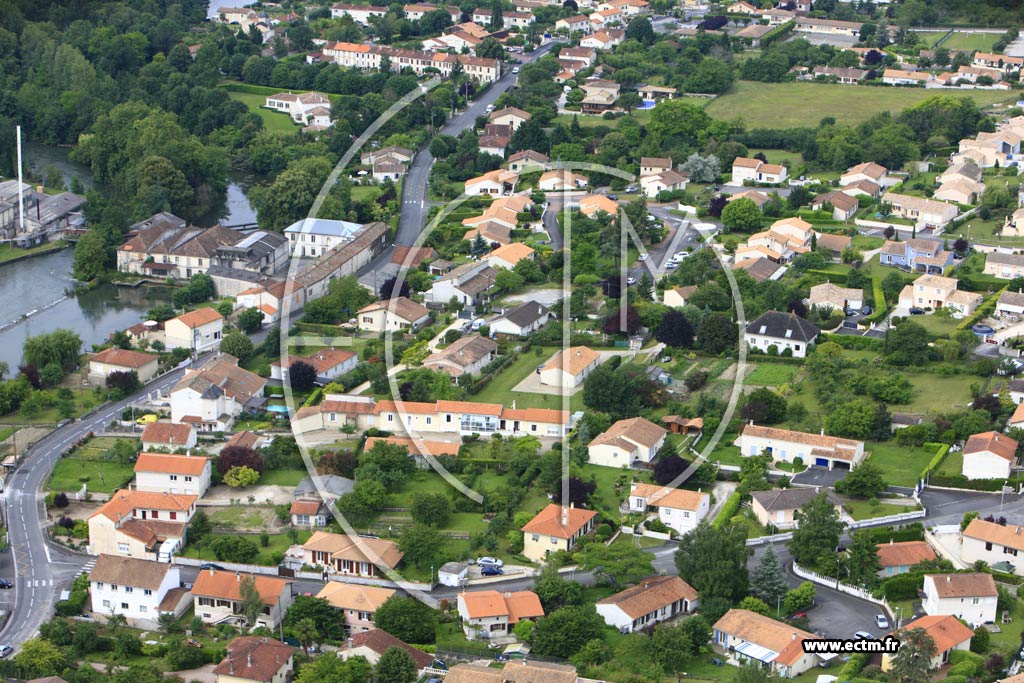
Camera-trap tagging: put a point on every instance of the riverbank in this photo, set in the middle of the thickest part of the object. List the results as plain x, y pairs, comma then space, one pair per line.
10, 254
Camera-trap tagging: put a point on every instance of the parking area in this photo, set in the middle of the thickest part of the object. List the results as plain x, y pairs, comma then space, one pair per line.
819, 476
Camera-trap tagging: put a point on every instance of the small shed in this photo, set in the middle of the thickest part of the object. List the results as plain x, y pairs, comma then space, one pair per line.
453, 574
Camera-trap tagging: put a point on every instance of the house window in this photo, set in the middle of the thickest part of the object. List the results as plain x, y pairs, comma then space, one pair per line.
99, 585
988, 546
187, 478
156, 514
122, 548
143, 608
106, 603
174, 515
174, 477
113, 587
428, 420
129, 589
536, 537
147, 591
124, 605
391, 418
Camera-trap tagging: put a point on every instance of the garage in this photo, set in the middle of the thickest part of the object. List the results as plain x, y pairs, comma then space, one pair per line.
840, 465
821, 462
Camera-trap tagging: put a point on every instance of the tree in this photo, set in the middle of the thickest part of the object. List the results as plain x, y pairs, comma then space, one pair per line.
237, 344
507, 281
768, 582
252, 601
431, 509
240, 477
234, 549
491, 49
238, 456
862, 561
709, 76
906, 344
714, 561
672, 647
741, 214
330, 668
421, 545
407, 619
619, 564
668, 468
863, 481
395, 666
556, 592
250, 320
317, 611
61, 346
122, 382
529, 135
39, 658
675, 330
199, 527
564, 632
756, 605
717, 333
640, 29
93, 256
855, 421
764, 406
817, 532
302, 376
702, 169
800, 598
912, 662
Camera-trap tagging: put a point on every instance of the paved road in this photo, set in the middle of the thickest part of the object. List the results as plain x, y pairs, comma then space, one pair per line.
41, 570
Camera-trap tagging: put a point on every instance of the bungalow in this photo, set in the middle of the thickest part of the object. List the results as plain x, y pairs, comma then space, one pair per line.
683, 425
992, 543
677, 297
111, 360
469, 284
916, 254
868, 170
844, 75
1004, 63
963, 169
753, 33
743, 7
556, 528
754, 170
832, 244
217, 595
162, 473
392, 315
168, 435
927, 213
560, 180
509, 116
759, 198
900, 558
1004, 266
901, 77
515, 671
868, 188
989, 455
655, 93
494, 183
507, 256
256, 659
313, 499
933, 292
783, 445
652, 601
344, 555
521, 320
527, 160
139, 590
751, 637
666, 181
946, 632
371, 645
603, 39
778, 17
960, 191
490, 614
328, 363
593, 204
213, 395
301, 106
356, 604
850, 29
778, 507
141, 524
1010, 304
466, 356
970, 597
832, 297
198, 331
784, 332
569, 368
844, 206
627, 443
678, 509
760, 268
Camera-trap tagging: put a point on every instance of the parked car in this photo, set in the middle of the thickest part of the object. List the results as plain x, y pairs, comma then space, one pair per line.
5, 651
631, 189
515, 70
211, 565
613, 197
881, 621
642, 256
916, 311
630, 281
671, 265
6, 583
863, 635
490, 560
866, 310
491, 570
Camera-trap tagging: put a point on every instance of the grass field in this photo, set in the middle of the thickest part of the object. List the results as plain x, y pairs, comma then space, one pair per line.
278, 543
792, 105
8, 252
936, 393
937, 325
278, 122
929, 38
283, 477
902, 466
863, 509
588, 120
771, 374
86, 465
970, 41
499, 389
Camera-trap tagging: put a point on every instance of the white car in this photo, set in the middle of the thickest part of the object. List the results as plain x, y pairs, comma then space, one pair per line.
642, 257
630, 281
490, 560
680, 255
881, 621
671, 265
515, 70
489, 108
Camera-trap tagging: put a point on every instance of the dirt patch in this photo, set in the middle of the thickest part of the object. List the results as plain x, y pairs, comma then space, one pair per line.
730, 372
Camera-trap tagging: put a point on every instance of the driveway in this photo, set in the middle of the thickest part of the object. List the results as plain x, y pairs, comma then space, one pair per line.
819, 476
548, 296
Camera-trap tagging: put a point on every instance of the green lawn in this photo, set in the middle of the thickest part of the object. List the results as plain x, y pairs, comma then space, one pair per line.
588, 120
283, 477
278, 543
937, 325
793, 105
238, 516
772, 374
952, 464
101, 476
8, 252
499, 389
901, 466
937, 393
862, 509
929, 38
970, 41
278, 122
866, 242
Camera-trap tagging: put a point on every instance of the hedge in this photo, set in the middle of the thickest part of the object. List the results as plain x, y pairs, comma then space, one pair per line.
314, 398
317, 328
777, 34
902, 586
959, 481
983, 310
729, 510
256, 89
855, 342
852, 667
911, 532
940, 454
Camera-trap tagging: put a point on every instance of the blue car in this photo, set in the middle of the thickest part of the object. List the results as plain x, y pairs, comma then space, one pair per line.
491, 570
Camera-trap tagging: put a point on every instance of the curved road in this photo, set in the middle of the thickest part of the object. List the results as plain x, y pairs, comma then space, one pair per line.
42, 570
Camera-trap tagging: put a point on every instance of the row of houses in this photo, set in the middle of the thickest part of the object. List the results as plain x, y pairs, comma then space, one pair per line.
362, 56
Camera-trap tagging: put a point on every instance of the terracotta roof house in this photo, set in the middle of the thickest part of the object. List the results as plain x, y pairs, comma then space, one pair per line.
141, 524
992, 543
245, 439
515, 671
350, 555
164, 473
786, 445
568, 369
946, 631
392, 315
652, 600
169, 435
756, 639
761, 268
329, 364
971, 597
592, 204
899, 557
256, 658
375, 642
465, 356
355, 603
778, 507
833, 297
627, 443
102, 364
490, 614
199, 330
218, 597
508, 255
989, 455
678, 296
555, 528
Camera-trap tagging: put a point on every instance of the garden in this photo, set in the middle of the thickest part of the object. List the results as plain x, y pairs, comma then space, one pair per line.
102, 464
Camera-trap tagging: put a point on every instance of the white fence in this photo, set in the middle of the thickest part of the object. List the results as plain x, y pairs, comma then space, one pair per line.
835, 584
761, 540
889, 519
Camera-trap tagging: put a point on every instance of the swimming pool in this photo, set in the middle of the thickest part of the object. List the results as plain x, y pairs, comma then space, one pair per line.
277, 409
647, 104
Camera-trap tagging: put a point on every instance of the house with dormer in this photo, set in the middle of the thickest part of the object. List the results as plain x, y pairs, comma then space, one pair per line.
917, 255
141, 524
787, 333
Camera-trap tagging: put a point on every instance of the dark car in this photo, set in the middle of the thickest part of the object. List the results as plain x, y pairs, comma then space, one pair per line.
613, 196
491, 570
916, 311
866, 310
211, 565
6, 583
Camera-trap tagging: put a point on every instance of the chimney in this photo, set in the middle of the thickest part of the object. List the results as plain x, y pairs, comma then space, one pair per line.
211, 571
948, 578
890, 540
349, 643
1018, 531
248, 659
238, 577
823, 431
794, 635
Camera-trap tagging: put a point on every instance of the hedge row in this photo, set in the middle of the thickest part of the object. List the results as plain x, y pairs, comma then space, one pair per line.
855, 342
959, 481
255, 89
778, 34
729, 510
884, 534
984, 310
852, 667
940, 454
